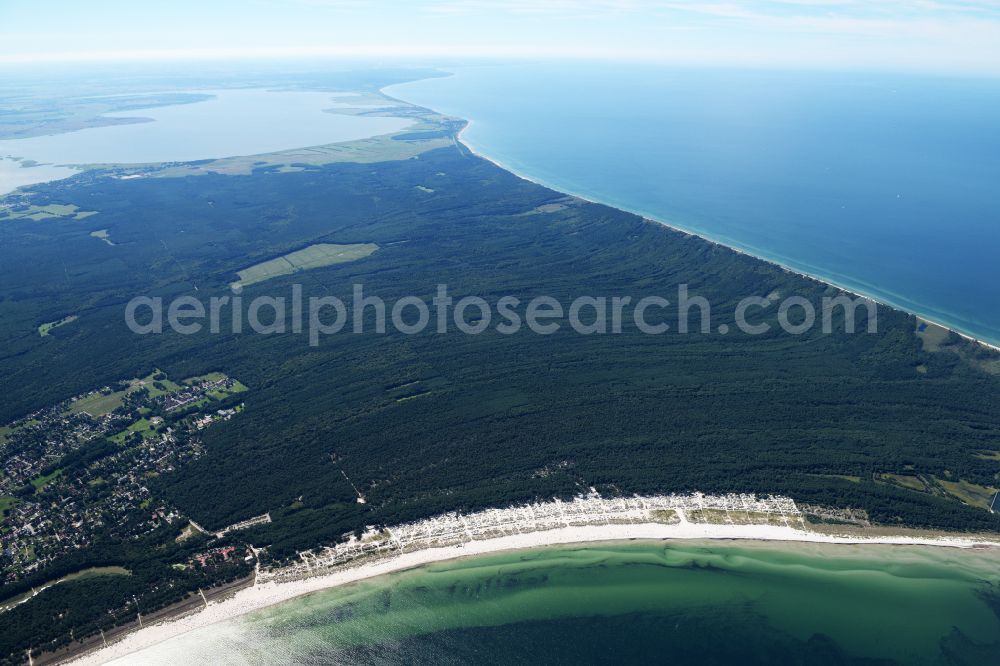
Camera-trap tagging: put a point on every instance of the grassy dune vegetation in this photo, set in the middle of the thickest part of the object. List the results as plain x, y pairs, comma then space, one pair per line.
427, 423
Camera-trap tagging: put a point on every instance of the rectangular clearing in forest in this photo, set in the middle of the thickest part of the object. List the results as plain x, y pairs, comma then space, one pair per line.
314, 256
970, 493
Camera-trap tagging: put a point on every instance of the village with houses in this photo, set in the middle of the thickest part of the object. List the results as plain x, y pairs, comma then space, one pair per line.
79, 471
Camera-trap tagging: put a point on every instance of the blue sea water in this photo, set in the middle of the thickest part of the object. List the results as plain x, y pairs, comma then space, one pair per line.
885, 184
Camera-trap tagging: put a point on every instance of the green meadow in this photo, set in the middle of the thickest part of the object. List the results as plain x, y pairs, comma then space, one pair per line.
314, 256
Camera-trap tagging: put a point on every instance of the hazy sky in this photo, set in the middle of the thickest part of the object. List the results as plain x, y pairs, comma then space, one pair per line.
928, 35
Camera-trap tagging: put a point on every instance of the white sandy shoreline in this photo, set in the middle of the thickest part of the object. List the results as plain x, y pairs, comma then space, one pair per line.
263, 595
826, 281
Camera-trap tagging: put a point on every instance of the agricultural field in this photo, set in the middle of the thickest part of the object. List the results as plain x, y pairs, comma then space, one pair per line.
46, 212
314, 256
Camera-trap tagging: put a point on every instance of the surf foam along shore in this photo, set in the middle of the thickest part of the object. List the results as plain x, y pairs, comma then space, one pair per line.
854, 291
531, 526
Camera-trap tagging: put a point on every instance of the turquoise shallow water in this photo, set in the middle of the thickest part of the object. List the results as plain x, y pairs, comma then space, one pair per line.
883, 184
663, 602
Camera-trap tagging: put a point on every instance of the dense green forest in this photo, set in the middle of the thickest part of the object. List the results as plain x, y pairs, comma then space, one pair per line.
83, 607
435, 422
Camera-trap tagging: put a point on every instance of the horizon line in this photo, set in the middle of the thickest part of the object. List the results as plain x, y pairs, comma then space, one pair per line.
637, 56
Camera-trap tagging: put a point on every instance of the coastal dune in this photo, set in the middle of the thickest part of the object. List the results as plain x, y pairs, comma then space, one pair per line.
585, 520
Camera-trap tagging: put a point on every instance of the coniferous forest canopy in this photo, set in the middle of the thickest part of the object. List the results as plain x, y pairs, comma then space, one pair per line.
430, 423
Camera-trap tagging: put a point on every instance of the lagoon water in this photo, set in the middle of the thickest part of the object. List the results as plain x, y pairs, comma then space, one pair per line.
659, 602
882, 184
14, 175
229, 123
887, 185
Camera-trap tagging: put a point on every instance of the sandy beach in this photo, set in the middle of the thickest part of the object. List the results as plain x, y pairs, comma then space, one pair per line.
267, 594
268, 591
675, 227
